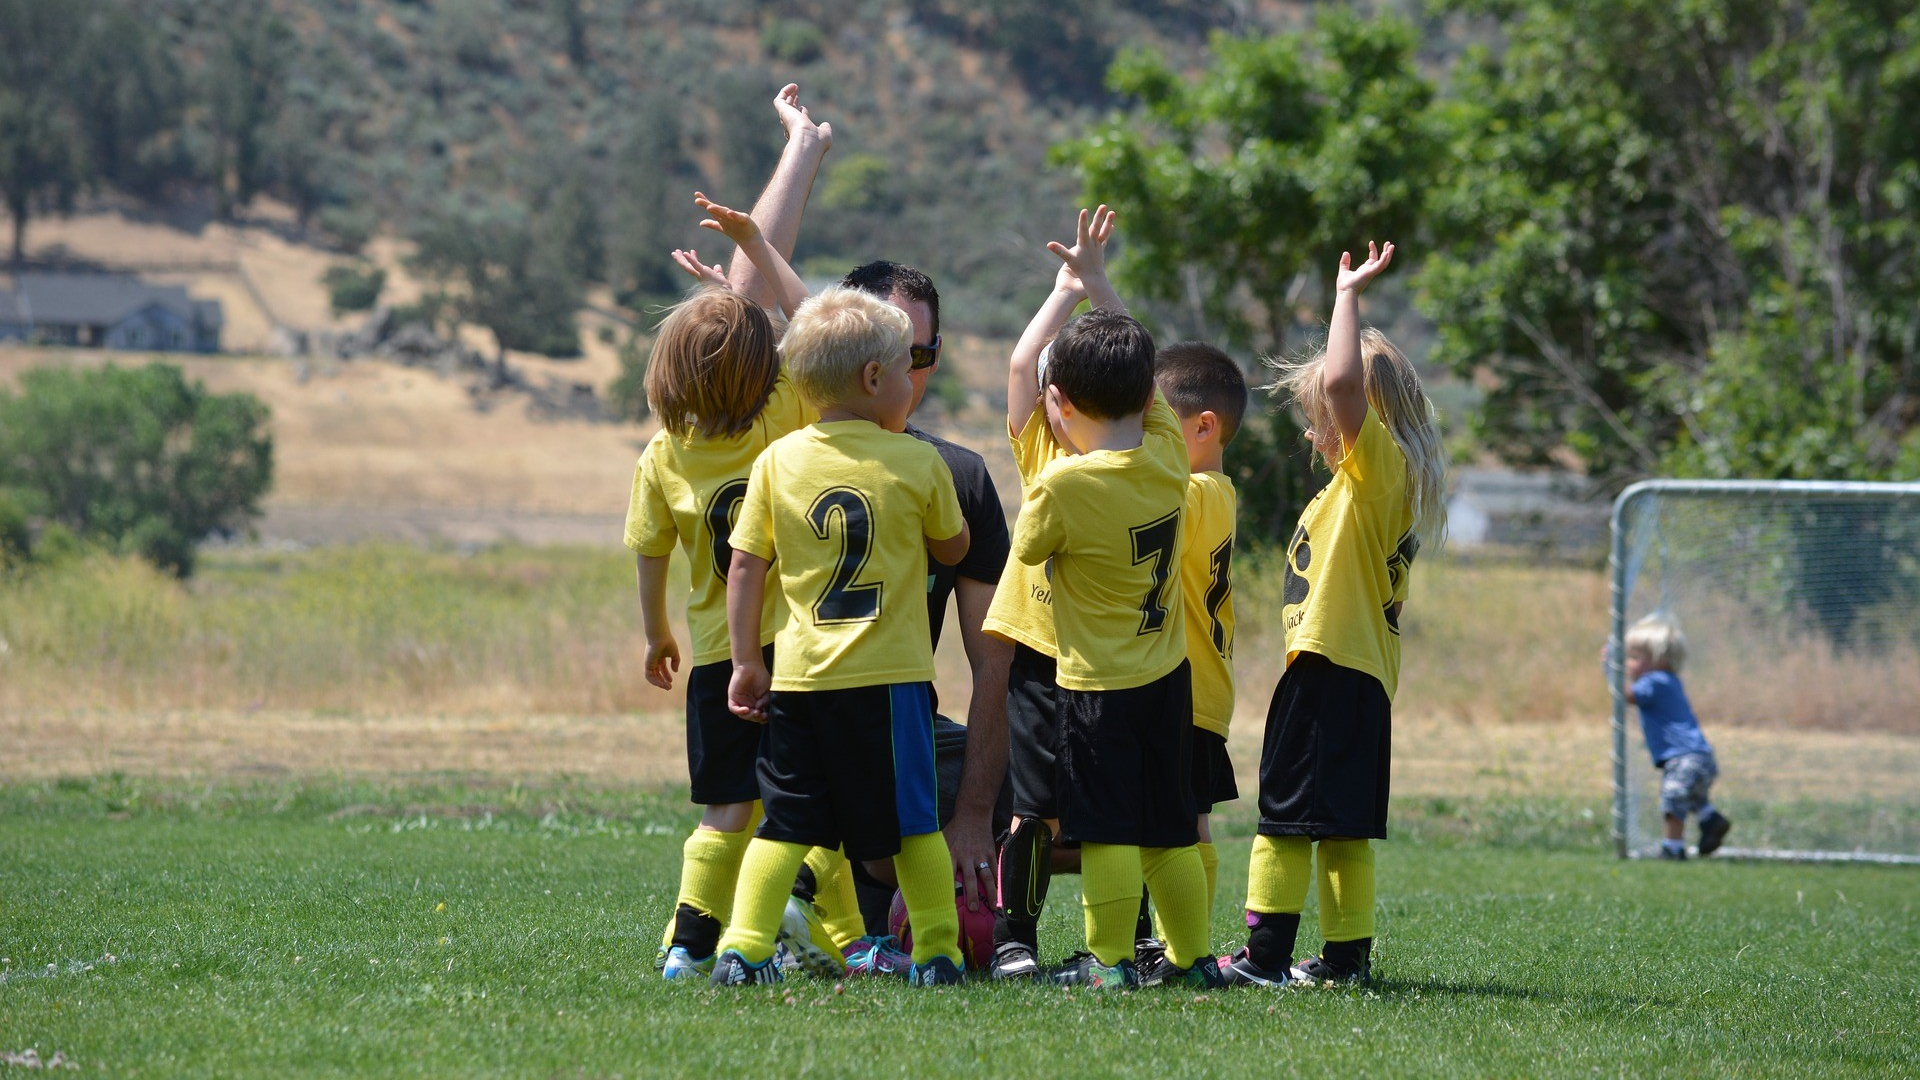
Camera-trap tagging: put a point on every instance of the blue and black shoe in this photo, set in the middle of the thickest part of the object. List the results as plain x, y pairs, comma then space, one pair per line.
732, 969
938, 971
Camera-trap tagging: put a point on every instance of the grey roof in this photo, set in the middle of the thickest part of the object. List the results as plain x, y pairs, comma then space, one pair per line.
94, 299
10, 313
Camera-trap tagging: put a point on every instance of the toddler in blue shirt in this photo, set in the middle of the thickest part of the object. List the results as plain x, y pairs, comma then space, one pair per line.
1655, 651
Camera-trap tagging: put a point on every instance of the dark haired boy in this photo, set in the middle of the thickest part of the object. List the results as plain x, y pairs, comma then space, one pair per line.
1208, 392
1104, 514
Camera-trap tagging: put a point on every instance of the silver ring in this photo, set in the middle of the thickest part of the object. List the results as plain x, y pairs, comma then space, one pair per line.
981, 866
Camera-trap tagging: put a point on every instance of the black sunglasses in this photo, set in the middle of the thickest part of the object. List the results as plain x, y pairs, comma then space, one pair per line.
924, 356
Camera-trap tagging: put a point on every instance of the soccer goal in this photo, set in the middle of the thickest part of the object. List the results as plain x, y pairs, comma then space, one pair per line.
1800, 602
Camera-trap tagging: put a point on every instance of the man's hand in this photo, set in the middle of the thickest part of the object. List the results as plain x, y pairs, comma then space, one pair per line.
733, 224
795, 121
748, 692
689, 260
970, 841
1086, 260
663, 659
1354, 280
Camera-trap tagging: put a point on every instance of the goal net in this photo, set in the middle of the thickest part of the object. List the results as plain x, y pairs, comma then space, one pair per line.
1800, 604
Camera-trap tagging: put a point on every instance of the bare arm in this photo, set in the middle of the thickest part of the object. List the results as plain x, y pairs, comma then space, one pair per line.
745, 232
1343, 379
953, 548
1082, 276
747, 690
970, 833
784, 201
663, 653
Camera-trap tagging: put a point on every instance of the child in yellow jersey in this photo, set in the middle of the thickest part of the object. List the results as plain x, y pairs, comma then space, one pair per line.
714, 380
850, 507
1324, 761
1105, 516
1208, 392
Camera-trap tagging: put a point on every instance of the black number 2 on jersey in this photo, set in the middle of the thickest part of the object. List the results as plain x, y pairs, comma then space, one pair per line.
1157, 541
843, 601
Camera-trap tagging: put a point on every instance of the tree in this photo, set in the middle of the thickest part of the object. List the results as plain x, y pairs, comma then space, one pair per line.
1237, 191
1682, 238
249, 49
138, 458
42, 140
512, 274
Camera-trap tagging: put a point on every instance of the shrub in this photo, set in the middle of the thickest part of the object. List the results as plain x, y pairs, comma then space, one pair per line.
353, 286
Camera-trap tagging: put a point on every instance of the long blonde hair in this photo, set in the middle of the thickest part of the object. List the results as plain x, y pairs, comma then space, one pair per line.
1393, 391
713, 365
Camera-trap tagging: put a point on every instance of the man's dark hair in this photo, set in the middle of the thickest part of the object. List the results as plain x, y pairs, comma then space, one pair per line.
1103, 362
1196, 378
883, 279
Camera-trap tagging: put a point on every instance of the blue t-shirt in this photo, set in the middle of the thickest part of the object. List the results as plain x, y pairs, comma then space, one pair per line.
1666, 717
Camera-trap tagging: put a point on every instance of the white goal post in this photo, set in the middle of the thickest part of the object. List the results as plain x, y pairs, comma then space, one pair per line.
1800, 602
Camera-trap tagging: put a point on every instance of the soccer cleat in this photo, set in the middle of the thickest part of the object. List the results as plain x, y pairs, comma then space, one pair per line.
1085, 969
1677, 854
1203, 974
1013, 960
660, 958
938, 971
681, 964
1317, 971
1713, 831
878, 955
1240, 970
1147, 952
805, 936
732, 969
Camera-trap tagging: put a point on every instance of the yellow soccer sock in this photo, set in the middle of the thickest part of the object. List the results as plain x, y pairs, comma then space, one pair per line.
766, 880
833, 895
1346, 890
1210, 862
1278, 874
1179, 886
1110, 884
925, 869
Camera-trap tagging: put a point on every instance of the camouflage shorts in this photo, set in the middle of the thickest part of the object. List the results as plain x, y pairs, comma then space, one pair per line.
1684, 780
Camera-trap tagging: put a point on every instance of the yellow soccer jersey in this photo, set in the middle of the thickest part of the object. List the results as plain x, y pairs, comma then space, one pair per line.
848, 507
688, 490
1109, 523
1206, 588
1350, 560
1022, 608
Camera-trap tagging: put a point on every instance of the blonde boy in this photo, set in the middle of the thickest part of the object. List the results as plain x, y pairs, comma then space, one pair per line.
847, 508
1655, 651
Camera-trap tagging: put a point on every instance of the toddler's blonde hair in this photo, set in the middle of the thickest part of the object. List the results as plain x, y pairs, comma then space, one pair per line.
713, 365
1659, 637
1393, 390
834, 335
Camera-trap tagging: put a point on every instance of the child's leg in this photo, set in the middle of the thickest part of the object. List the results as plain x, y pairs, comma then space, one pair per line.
1023, 876
1209, 861
1179, 885
766, 880
1346, 901
835, 897
1110, 884
709, 872
925, 869
1277, 878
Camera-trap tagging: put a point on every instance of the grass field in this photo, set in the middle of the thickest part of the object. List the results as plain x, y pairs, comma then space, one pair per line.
347, 928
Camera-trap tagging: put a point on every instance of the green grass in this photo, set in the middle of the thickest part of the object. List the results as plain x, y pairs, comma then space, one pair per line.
459, 928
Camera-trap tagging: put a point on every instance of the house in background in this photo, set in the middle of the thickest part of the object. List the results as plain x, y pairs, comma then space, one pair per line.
107, 311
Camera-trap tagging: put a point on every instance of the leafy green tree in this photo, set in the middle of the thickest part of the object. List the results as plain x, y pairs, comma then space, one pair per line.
249, 49
1686, 238
43, 156
1237, 190
511, 274
138, 458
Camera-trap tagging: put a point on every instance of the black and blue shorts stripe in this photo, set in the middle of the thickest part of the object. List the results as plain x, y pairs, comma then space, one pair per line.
852, 767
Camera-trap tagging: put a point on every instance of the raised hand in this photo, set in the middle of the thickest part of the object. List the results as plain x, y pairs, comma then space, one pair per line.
1351, 279
1087, 258
689, 260
794, 119
733, 224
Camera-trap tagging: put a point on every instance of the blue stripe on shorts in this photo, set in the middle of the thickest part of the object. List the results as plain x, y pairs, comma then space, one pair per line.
916, 785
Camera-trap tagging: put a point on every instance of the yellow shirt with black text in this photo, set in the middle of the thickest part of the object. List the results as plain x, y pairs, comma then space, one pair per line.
1108, 521
846, 509
1206, 586
1022, 608
1351, 559
688, 491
